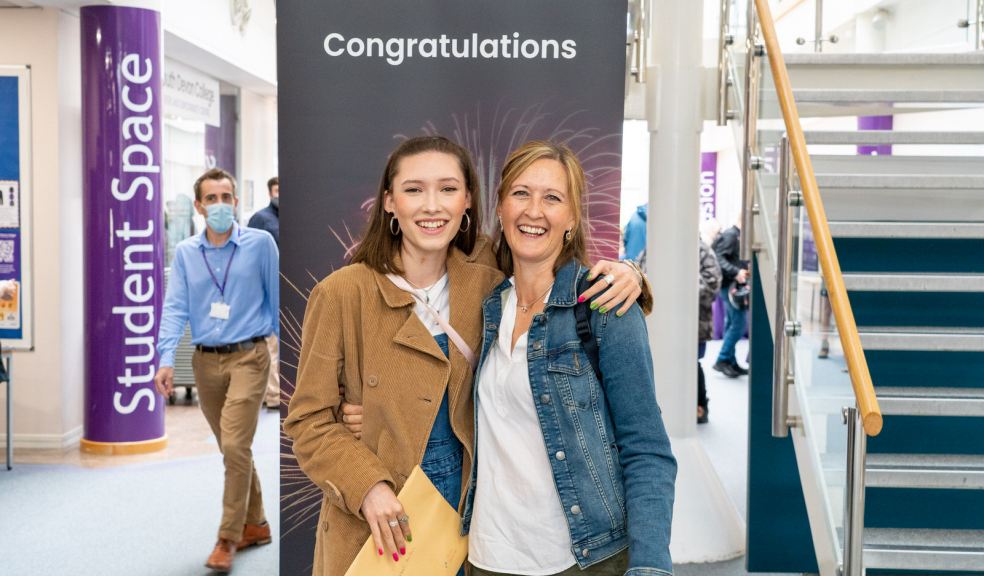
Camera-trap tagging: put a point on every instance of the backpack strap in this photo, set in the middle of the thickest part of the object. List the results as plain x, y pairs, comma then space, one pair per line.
582, 315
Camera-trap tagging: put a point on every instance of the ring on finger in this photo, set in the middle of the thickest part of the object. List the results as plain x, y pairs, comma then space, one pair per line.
403, 519
393, 523
610, 278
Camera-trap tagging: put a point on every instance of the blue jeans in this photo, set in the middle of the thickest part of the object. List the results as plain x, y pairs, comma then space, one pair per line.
734, 329
443, 458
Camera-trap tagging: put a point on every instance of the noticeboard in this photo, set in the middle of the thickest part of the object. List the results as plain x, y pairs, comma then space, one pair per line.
16, 306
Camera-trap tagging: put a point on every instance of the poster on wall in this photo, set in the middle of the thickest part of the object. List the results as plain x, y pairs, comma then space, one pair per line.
15, 261
490, 74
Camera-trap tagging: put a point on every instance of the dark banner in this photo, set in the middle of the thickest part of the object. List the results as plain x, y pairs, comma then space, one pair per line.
356, 77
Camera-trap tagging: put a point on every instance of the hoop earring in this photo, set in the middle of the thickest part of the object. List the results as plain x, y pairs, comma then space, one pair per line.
467, 224
395, 232
568, 236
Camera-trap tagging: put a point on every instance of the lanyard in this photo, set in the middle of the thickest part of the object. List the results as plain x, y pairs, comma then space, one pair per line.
228, 266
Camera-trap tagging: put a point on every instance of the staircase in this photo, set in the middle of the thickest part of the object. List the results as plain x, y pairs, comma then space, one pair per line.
908, 230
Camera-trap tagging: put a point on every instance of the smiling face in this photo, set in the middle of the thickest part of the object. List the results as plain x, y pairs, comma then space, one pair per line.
428, 197
536, 211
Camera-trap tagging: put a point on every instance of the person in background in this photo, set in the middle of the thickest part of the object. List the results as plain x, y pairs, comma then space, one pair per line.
634, 237
734, 272
224, 282
269, 219
709, 283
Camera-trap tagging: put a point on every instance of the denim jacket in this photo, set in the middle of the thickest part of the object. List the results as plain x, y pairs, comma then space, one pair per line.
609, 452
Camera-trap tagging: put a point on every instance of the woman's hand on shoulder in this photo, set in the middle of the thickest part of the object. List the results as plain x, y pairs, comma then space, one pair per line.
387, 520
351, 415
616, 284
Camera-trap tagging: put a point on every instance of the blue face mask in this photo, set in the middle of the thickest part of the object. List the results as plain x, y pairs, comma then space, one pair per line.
219, 217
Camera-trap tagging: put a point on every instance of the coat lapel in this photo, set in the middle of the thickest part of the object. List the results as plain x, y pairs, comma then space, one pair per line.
412, 333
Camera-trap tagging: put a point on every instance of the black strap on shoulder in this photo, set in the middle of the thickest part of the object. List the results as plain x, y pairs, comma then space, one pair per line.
582, 314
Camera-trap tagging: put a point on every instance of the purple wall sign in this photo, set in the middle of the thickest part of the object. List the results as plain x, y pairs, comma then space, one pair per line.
708, 185
123, 218
875, 123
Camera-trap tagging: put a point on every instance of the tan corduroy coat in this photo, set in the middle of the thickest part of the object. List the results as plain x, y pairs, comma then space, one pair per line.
360, 331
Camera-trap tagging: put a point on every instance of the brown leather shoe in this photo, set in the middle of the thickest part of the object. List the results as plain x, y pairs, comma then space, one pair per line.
221, 557
255, 535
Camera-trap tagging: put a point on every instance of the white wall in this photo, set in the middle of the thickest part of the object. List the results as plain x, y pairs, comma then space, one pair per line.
258, 153
48, 381
200, 33
70, 204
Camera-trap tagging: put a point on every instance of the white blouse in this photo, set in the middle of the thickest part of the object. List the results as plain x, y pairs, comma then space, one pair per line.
518, 524
439, 297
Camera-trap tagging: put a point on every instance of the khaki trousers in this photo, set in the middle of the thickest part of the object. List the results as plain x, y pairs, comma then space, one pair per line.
272, 399
230, 390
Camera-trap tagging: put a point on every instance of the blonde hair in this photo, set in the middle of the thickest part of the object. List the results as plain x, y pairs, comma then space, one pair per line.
518, 161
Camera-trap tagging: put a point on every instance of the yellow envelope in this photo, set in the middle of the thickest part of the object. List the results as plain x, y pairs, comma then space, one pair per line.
436, 550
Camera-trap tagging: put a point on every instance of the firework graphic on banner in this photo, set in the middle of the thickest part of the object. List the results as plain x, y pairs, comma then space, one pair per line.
489, 135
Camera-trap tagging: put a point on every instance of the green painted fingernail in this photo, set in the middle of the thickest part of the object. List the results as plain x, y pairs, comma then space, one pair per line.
591, 276
409, 538
594, 305
619, 313
603, 310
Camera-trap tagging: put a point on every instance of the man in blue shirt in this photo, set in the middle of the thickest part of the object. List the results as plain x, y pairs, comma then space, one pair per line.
269, 219
224, 281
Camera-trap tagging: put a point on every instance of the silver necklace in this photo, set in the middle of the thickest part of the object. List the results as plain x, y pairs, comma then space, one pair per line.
426, 291
526, 307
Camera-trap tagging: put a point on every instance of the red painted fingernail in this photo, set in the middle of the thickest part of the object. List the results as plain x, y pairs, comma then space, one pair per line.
580, 299
403, 551
380, 551
395, 557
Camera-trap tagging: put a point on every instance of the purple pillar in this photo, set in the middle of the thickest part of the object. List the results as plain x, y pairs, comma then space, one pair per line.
124, 227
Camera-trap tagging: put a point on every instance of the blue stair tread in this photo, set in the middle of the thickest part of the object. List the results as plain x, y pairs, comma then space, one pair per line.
909, 255
926, 369
942, 309
915, 508
929, 435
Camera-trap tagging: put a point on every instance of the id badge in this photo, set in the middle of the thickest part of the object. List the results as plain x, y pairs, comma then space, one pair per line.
220, 310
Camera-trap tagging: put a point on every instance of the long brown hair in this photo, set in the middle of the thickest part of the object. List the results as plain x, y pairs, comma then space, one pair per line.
518, 161
379, 246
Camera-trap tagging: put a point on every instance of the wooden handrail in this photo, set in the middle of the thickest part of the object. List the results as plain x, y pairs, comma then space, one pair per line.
857, 367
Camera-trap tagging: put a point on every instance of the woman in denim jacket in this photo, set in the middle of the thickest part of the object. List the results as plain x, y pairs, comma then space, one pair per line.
570, 475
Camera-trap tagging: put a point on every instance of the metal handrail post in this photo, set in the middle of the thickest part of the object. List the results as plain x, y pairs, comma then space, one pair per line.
752, 73
979, 27
818, 28
723, 43
784, 273
857, 442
